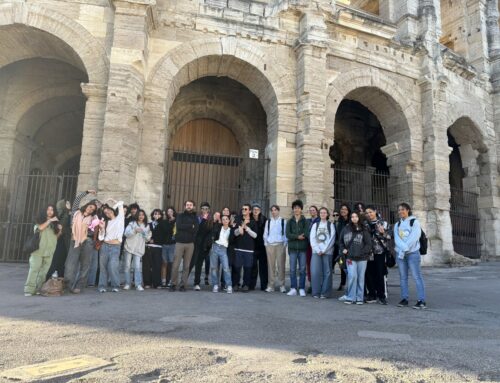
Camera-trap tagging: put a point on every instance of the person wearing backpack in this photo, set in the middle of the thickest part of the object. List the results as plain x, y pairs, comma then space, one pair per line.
407, 234
275, 242
322, 238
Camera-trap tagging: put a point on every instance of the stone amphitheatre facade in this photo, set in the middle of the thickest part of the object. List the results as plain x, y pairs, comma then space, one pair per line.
411, 89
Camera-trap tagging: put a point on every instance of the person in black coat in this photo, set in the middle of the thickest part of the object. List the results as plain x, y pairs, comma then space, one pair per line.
202, 244
259, 267
152, 259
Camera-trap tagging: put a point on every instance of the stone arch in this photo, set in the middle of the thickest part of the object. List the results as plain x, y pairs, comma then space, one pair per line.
383, 96
88, 49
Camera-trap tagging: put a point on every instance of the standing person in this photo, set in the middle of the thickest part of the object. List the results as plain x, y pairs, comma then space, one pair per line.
151, 266
63, 209
322, 238
111, 230
355, 244
314, 213
202, 245
130, 215
244, 244
167, 228
343, 220
47, 224
77, 264
137, 233
225, 211
297, 231
275, 243
218, 254
94, 259
186, 228
359, 207
259, 267
376, 269
407, 234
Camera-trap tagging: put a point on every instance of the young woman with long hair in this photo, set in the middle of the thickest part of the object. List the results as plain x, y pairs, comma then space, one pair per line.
137, 233
152, 261
47, 224
167, 229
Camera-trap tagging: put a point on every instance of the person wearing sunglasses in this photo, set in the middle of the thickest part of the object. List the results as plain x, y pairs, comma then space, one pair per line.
244, 233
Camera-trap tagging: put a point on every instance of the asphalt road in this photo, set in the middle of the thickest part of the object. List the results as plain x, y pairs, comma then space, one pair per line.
159, 336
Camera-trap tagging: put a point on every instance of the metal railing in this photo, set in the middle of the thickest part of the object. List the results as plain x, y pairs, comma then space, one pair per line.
22, 197
465, 223
366, 185
221, 180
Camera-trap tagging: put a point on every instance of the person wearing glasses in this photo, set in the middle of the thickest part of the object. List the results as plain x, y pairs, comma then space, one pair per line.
202, 245
244, 245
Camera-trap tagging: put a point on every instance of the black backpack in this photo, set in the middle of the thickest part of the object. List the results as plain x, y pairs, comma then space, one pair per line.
423, 239
282, 226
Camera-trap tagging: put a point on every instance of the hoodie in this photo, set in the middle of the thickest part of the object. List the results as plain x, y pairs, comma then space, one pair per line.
406, 236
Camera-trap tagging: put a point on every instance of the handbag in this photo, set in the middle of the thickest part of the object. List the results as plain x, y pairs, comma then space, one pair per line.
390, 260
32, 244
52, 287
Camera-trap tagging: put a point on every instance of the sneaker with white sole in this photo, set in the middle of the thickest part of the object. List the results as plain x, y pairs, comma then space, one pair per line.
139, 288
292, 293
28, 294
229, 290
215, 289
360, 302
197, 288
101, 290
302, 292
126, 287
343, 298
269, 290
115, 290
283, 289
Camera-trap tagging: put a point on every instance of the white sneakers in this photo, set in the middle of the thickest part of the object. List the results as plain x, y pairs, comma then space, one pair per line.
126, 287
215, 289
302, 292
28, 294
230, 290
197, 288
139, 288
292, 293
283, 289
343, 298
269, 290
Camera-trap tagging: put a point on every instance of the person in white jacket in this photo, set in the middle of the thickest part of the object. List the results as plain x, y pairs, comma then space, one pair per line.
137, 233
322, 238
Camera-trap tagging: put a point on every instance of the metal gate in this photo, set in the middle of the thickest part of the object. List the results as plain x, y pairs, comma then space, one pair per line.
366, 185
221, 180
465, 223
22, 197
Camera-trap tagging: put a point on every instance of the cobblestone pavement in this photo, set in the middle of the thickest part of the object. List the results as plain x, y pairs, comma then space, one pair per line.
159, 336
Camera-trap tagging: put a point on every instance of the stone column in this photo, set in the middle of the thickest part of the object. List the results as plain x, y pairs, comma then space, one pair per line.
436, 166
477, 36
314, 180
93, 126
405, 15
121, 139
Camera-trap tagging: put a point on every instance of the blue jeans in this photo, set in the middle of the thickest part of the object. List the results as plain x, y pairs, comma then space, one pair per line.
321, 274
356, 280
136, 259
94, 263
167, 253
299, 256
218, 254
109, 263
76, 267
411, 261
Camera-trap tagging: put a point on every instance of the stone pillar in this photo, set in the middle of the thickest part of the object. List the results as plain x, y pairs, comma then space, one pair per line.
405, 15
93, 126
314, 180
121, 139
477, 35
436, 166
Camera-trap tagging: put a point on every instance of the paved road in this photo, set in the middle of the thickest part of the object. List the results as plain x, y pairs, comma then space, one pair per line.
158, 336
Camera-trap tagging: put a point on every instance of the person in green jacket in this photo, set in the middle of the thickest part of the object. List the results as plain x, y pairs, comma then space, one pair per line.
297, 232
48, 225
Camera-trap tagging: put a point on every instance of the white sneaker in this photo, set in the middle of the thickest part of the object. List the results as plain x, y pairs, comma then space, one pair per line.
302, 292
230, 290
102, 290
115, 290
283, 289
197, 288
139, 288
126, 287
292, 293
215, 289
343, 298
269, 290
28, 294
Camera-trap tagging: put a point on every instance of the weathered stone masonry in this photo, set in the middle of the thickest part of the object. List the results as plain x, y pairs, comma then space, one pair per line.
94, 85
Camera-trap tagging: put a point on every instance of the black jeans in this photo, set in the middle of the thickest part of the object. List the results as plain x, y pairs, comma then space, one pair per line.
151, 266
200, 256
374, 277
259, 269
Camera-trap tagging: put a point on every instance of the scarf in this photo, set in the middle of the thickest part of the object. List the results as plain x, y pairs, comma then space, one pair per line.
80, 227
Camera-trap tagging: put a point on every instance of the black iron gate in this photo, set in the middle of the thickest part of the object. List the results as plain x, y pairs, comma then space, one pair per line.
221, 180
465, 223
366, 185
22, 196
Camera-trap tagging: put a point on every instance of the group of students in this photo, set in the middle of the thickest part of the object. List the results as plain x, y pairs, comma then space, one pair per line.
112, 239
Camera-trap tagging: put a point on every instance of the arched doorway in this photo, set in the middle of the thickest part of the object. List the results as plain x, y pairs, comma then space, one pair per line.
465, 150
361, 172
214, 123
